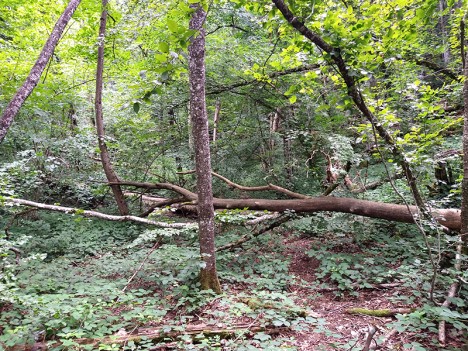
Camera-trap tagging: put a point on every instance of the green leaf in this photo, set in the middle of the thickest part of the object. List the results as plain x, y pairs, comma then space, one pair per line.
293, 99
172, 25
164, 47
160, 58
136, 106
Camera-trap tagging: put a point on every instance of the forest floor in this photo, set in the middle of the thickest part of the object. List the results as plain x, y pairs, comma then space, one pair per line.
340, 330
289, 289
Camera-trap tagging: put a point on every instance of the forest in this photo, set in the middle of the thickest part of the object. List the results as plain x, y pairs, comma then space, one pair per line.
234, 175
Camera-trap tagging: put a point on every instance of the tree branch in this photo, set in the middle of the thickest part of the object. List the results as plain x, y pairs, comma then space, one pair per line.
93, 214
269, 187
438, 69
273, 75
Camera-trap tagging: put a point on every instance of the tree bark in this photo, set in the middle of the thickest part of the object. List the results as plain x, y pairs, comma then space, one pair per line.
198, 115
216, 120
105, 158
35, 74
464, 204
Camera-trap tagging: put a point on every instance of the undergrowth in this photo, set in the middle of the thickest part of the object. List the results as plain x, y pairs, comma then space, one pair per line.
72, 282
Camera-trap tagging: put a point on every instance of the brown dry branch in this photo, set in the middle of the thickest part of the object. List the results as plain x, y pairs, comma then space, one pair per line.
155, 246
157, 335
14, 218
269, 187
372, 329
276, 223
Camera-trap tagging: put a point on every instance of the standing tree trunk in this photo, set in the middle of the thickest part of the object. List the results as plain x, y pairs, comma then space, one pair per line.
464, 204
105, 159
35, 74
201, 139
216, 120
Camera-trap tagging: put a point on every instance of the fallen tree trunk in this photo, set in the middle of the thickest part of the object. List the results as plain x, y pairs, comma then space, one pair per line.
449, 218
157, 335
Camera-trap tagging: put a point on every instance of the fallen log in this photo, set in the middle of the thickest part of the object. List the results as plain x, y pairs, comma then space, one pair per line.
449, 218
379, 313
158, 335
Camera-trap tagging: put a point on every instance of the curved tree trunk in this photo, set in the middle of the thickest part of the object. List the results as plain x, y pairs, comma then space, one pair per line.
33, 78
199, 118
105, 159
355, 94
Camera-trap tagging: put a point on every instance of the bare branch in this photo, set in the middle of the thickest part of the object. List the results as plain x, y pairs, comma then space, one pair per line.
269, 187
166, 186
94, 214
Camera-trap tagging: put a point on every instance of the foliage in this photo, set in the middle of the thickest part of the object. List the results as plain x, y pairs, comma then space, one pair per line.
72, 270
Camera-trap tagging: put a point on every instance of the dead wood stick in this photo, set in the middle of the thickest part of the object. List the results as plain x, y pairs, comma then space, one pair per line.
155, 246
379, 313
94, 214
158, 335
163, 186
167, 202
17, 253
12, 220
276, 223
262, 218
451, 292
370, 336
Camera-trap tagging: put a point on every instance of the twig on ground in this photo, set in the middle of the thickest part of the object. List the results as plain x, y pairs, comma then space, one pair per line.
155, 246
276, 223
451, 292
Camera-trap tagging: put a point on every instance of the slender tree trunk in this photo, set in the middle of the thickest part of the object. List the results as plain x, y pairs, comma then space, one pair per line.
443, 30
105, 159
464, 204
198, 115
33, 78
216, 120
